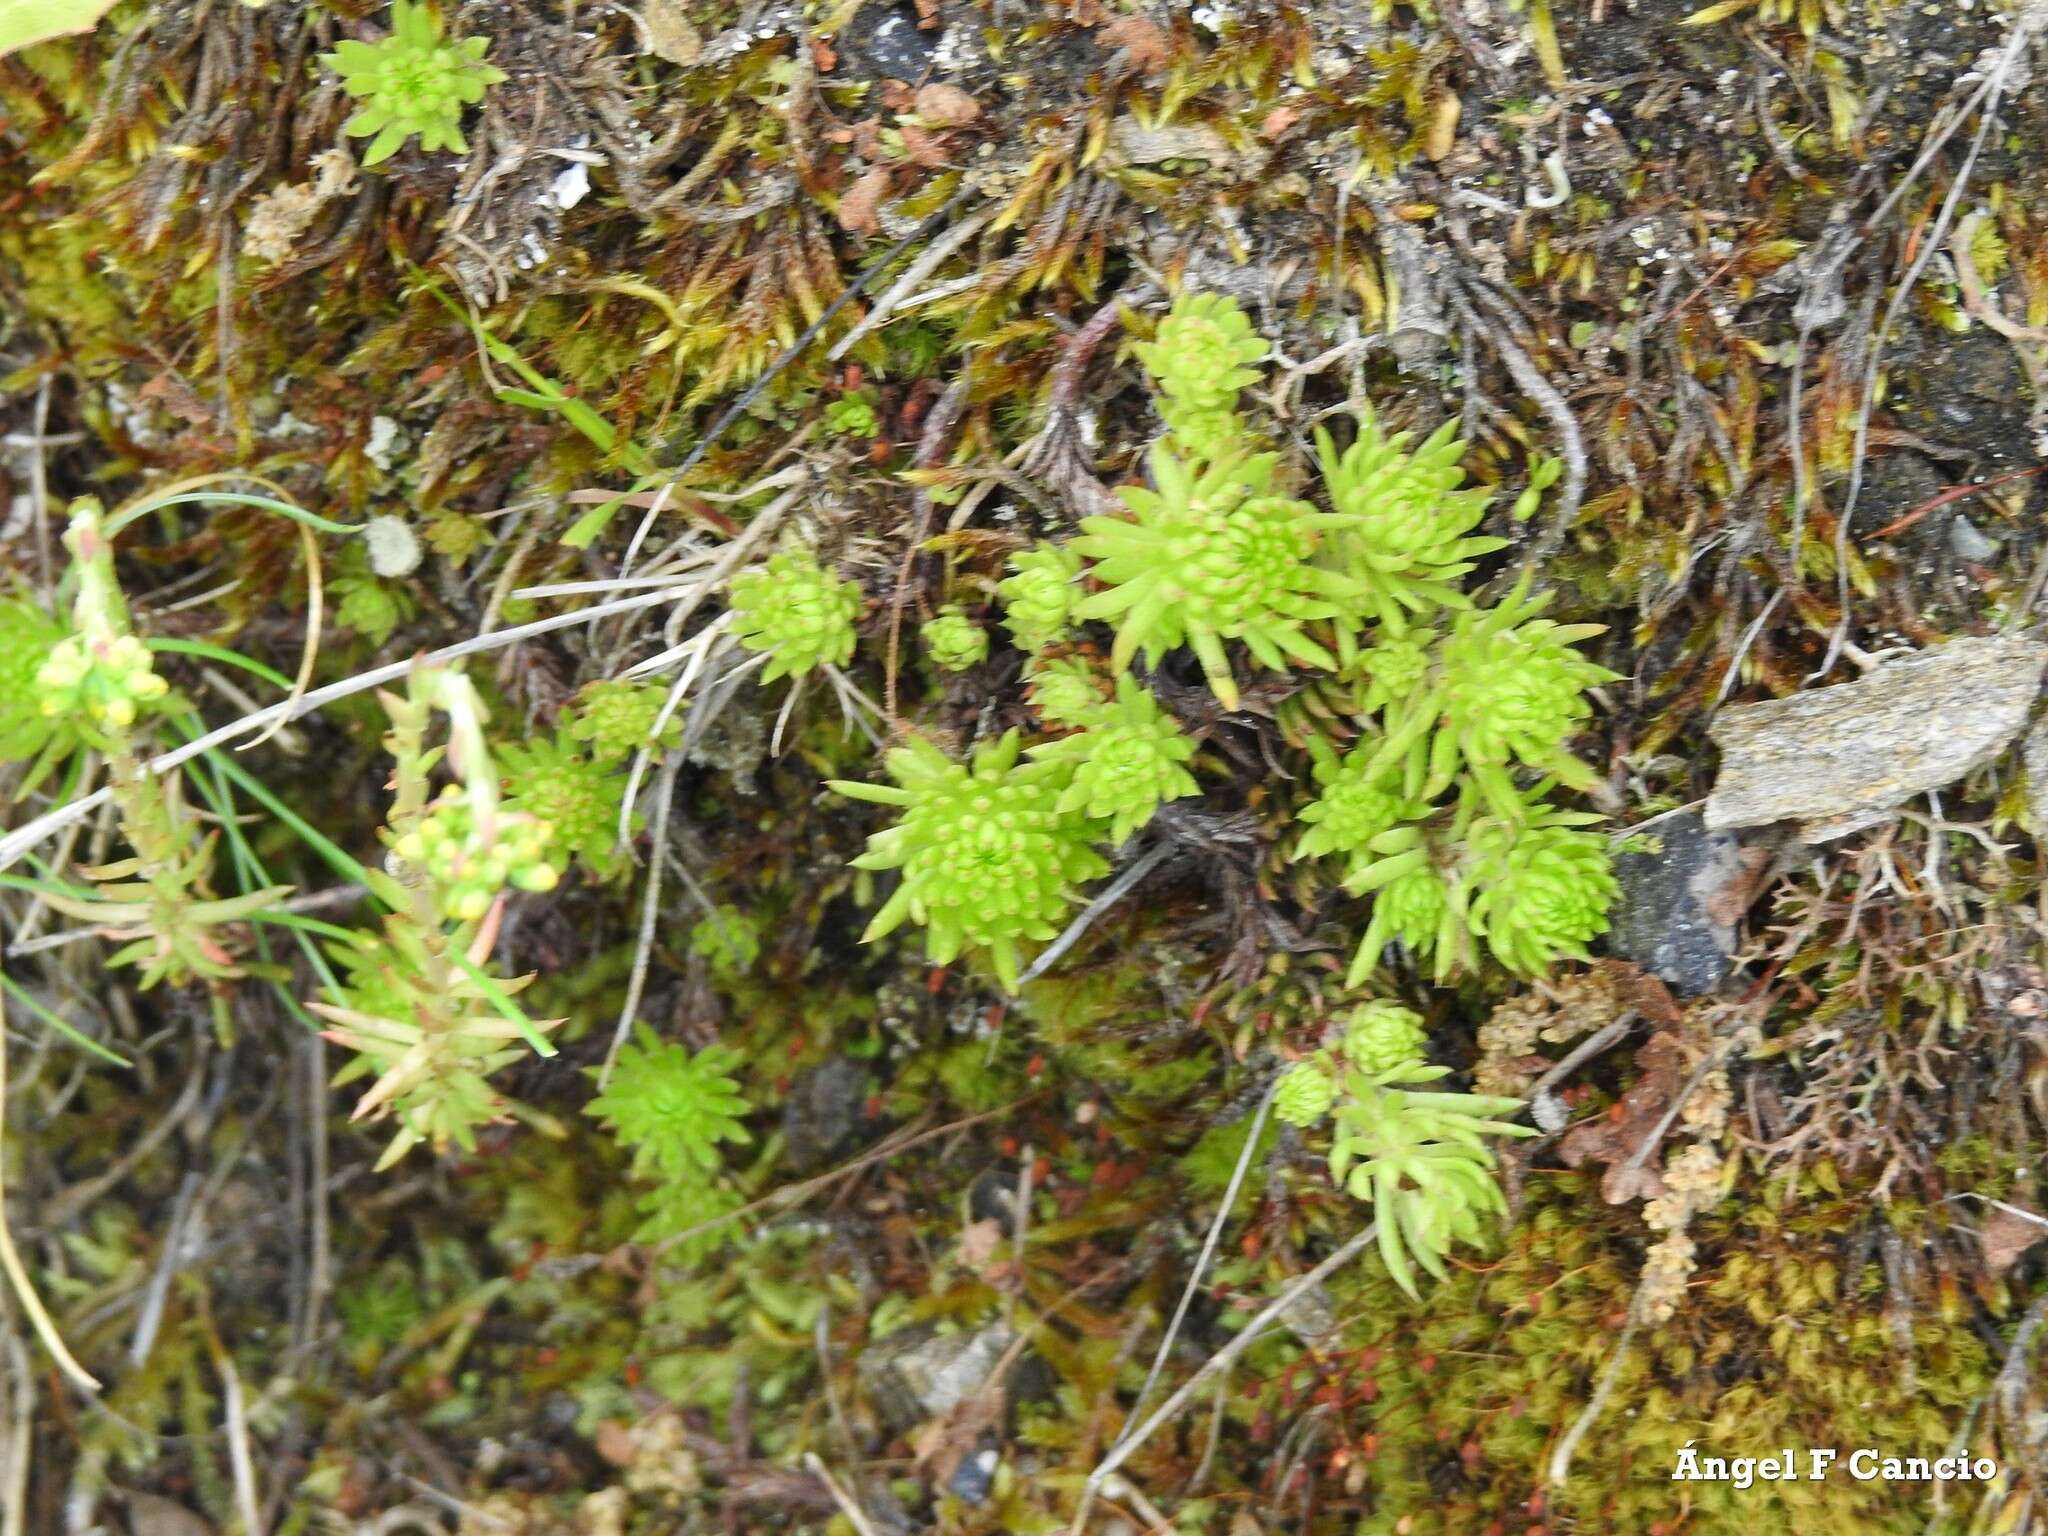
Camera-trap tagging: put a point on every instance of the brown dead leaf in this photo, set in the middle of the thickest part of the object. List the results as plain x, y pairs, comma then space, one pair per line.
925, 149
2006, 1234
1278, 121
1636, 988
615, 1443
942, 1443
946, 106
861, 203
1616, 1137
1139, 38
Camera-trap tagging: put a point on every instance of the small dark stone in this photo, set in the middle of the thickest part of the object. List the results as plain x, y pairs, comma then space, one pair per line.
976, 1475
826, 1115
1661, 919
886, 43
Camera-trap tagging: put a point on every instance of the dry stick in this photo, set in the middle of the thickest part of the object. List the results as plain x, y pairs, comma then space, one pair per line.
1187, 1296
650, 909
815, 1465
774, 370
14, 1491
1109, 896
937, 428
19, 841
10, 1261
1561, 1458
1225, 1357
791, 1193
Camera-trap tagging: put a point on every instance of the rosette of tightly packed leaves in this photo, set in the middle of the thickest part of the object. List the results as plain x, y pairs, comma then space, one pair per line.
415, 82
797, 611
954, 641
988, 858
1212, 553
1202, 358
1038, 595
1128, 757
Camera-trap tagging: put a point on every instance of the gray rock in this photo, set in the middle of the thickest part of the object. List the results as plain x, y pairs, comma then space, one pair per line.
1838, 758
917, 1374
888, 44
826, 1115
1662, 919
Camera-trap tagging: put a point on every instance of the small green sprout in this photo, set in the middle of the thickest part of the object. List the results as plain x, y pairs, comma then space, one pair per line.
1128, 759
616, 718
1038, 596
578, 797
671, 1107
414, 81
1203, 356
1305, 1092
797, 611
851, 416
955, 641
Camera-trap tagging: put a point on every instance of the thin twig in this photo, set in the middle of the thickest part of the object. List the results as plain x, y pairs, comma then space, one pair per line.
1187, 1295
1223, 1359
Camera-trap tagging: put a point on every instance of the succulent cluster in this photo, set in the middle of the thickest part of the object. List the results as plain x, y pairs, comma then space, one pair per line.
102, 684
954, 641
616, 718
797, 611
472, 857
1212, 553
1420, 1158
1201, 359
988, 857
1038, 595
415, 80
1434, 799
672, 1107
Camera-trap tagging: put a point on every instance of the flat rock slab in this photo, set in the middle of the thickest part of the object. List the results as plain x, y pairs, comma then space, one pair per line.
1838, 758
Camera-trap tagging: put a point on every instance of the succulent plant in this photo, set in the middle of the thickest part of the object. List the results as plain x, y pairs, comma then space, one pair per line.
579, 798
1380, 1037
1064, 691
616, 718
673, 1107
1541, 891
1305, 1092
101, 683
988, 857
954, 641
1128, 757
797, 611
416, 80
1422, 1160
1039, 594
1406, 539
1503, 687
1212, 554
1357, 805
1201, 358
1419, 910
